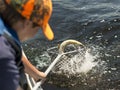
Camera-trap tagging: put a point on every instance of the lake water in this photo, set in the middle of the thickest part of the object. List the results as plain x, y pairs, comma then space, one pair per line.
96, 24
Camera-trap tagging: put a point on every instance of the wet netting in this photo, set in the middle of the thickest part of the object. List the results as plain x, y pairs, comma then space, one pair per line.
68, 64
76, 66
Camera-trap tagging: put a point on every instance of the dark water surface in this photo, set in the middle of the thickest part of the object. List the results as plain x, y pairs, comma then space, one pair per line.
94, 23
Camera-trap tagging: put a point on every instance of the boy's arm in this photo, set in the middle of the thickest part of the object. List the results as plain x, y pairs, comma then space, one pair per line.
32, 70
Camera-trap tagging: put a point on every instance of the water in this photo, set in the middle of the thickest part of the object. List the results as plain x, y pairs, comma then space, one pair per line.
96, 24
76, 63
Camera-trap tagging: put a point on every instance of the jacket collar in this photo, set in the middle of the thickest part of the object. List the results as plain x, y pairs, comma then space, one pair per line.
4, 28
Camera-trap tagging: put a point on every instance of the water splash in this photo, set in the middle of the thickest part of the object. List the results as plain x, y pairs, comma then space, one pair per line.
79, 63
88, 63
75, 63
81, 68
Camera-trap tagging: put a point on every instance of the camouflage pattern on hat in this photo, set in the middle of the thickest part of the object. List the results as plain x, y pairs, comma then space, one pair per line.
38, 11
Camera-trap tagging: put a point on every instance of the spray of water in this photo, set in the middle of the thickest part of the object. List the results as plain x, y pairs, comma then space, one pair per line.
82, 62
84, 67
88, 63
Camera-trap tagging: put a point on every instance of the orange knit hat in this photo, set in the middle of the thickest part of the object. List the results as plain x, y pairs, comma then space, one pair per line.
38, 11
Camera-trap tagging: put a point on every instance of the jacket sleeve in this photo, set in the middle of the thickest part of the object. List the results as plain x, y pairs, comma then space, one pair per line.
9, 74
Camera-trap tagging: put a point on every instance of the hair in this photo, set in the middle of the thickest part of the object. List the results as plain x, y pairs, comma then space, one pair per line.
8, 14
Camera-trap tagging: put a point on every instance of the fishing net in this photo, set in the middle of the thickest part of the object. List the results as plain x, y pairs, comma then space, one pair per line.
76, 65
79, 65
68, 65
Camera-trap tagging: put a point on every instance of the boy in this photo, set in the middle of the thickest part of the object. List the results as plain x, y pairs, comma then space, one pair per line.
19, 21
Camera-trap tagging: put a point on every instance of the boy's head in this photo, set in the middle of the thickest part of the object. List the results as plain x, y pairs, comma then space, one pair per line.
37, 11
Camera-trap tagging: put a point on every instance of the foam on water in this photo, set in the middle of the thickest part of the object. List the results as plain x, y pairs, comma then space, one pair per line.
76, 63
82, 61
81, 68
88, 63
79, 63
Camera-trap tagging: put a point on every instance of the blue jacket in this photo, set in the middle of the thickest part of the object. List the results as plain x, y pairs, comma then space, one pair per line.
9, 72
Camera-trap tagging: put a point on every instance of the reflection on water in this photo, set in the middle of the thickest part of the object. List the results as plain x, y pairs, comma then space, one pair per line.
95, 23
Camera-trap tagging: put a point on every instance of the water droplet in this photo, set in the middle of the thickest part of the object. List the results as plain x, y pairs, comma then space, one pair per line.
102, 20
115, 20
91, 38
115, 36
118, 56
109, 71
109, 80
114, 69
